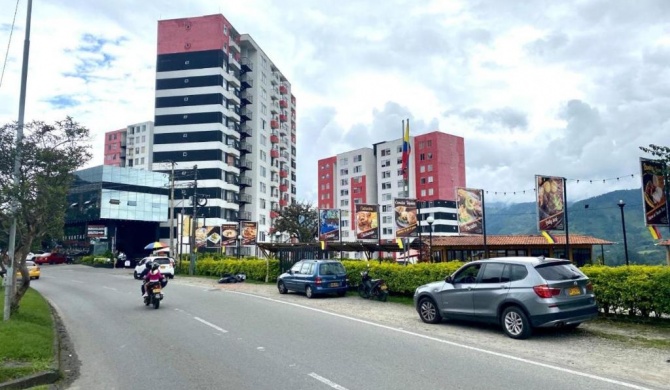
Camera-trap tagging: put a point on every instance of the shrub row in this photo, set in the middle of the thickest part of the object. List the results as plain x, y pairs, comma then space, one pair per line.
636, 290
95, 261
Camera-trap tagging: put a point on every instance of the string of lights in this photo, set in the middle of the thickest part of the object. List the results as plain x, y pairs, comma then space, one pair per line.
575, 181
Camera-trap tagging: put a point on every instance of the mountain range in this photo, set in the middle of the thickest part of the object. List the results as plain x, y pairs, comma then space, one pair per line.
598, 217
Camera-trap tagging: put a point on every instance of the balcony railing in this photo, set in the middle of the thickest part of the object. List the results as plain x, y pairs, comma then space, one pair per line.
283, 103
246, 198
245, 181
283, 90
247, 64
245, 164
245, 215
274, 153
274, 124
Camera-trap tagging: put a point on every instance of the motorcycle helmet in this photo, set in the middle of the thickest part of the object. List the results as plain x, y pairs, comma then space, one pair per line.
154, 266
148, 264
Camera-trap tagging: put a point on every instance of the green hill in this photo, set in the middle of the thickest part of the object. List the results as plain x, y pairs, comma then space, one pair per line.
599, 217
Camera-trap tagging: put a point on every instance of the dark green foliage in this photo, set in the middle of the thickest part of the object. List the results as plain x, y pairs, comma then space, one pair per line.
299, 219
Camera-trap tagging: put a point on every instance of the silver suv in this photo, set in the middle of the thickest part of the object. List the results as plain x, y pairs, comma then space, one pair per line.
519, 293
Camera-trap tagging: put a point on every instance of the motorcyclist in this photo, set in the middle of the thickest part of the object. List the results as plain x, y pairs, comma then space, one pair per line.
154, 275
145, 271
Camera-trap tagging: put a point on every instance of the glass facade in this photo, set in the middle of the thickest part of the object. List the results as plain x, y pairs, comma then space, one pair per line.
108, 192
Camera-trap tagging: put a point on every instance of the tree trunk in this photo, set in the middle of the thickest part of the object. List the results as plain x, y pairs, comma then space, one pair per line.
20, 290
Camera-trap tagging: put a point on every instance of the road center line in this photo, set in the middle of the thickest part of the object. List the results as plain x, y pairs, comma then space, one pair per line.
455, 344
76, 281
210, 325
326, 381
109, 288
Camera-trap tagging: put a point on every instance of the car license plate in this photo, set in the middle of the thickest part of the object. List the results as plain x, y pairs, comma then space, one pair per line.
162, 267
334, 284
574, 291
157, 290
384, 288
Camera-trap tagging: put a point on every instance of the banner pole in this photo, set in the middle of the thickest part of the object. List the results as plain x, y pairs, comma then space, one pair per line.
565, 211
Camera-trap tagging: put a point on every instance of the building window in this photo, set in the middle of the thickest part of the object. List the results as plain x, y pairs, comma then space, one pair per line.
344, 182
429, 143
344, 171
344, 202
358, 169
430, 167
263, 188
344, 161
430, 192
423, 192
387, 231
430, 179
263, 172
264, 140
387, 219
401, 184
422, 169
422, 156
386, 197
358, 158
386, 174
399, 160
386, 186
358, 201
357, 190
386, 163
429, 156
262, 202
386, 152
399, 149
344, 192
399, 172
263, 155
423, 180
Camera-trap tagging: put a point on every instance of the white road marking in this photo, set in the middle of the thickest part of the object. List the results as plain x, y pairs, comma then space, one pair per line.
210, 325
76, 281
455, 344
110, 288
327, 381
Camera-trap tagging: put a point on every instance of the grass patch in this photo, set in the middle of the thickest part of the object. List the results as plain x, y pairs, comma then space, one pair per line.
27, 338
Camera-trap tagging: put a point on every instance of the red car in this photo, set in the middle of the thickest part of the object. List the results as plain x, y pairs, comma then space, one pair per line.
50, 258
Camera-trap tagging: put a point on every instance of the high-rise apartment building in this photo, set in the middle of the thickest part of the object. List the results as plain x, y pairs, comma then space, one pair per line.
374, 176
222, 105
130, 147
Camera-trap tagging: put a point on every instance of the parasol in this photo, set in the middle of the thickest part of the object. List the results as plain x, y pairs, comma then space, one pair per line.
155, 245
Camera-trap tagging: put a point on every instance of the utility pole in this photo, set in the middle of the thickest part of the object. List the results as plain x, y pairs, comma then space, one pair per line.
10, 278
172, 248
191, 268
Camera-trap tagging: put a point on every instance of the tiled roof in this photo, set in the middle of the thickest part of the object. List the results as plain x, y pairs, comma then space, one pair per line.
514, 239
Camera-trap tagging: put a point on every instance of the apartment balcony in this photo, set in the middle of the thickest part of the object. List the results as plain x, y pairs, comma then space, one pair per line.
245, 147
234, 45
231, 78
274, 108
274, 79
247, 81
247, 64
283, 173
245, 165
283, 188
274, 214
283, 202
246, 114
245, 130
247, 97
274, 178
283, 90
283, 129
293, 139
274, 153
244, 216
283, 117
233, 62
283, 103
274, 138
245, 181
293, 190
284, 155
246, 198
274, 124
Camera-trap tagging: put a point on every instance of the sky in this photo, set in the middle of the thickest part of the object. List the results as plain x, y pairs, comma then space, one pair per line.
556, 88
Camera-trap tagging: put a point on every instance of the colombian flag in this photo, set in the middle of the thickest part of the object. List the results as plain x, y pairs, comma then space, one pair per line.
406, 149
655, 234
550, 239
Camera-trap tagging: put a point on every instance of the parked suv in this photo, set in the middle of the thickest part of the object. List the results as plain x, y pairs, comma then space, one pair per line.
519, 293
314, 277
166, 266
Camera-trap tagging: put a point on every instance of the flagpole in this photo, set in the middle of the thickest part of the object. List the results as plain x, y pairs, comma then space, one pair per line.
565, 213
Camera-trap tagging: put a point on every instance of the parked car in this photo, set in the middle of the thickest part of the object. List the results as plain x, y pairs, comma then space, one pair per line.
50, 258
33, 269
519, 293
314, 277
166, 266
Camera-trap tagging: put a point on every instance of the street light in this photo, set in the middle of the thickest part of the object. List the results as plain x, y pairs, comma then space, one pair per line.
623, 226
277, 236
430, 221
239, 243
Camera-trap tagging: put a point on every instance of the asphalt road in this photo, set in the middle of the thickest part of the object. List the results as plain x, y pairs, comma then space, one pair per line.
204, 338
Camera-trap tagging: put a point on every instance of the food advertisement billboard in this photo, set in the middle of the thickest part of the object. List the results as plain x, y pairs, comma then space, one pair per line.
329, 225
367, 222
550, 202
653, 193
470, 205
406, 221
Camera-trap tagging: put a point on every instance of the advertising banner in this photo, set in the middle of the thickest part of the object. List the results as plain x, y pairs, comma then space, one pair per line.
406, 221
367, 222
249, 233
550, 202
229, 233
653, 193
329, 225
96, 231
470, 210
213, 237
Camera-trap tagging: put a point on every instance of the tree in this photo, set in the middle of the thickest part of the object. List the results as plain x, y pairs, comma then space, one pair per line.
663, 152
49, 155
299, 219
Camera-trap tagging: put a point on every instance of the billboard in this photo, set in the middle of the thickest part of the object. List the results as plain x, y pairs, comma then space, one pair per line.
405, 218
329, 225
550, 202
229, 233
367, 222
653, 193
208, 237
470, 205
249, 233
96, 231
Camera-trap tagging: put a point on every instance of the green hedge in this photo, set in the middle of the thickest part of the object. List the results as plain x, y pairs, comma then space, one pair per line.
637, 290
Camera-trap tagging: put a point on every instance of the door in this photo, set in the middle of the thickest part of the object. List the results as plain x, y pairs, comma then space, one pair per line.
490, 291
456, 298
289, 279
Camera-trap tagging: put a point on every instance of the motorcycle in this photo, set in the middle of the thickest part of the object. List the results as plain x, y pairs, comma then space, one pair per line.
372, 288
230, 278
154, 294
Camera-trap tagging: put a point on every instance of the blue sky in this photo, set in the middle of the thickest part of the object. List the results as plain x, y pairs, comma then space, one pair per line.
569, 88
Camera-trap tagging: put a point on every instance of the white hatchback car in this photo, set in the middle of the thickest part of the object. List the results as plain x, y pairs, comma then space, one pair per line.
166, 265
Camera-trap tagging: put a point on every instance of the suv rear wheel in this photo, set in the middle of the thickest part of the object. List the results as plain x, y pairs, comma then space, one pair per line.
515, 323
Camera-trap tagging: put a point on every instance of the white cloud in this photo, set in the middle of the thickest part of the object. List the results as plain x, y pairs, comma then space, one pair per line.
565, 88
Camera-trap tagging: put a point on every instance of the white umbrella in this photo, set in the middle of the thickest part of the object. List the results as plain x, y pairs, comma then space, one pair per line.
162, 250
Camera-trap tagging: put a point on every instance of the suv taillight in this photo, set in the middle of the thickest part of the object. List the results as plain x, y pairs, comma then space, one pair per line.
317, 280
544, 291
589, 287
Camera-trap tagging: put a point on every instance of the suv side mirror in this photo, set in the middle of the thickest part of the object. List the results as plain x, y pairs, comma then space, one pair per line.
290, 272
449, 279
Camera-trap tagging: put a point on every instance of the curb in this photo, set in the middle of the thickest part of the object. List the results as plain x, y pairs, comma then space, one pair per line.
44, 377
